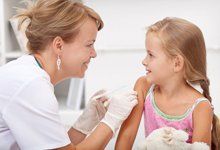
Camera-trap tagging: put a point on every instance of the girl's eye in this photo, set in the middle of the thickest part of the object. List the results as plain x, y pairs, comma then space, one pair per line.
150, 54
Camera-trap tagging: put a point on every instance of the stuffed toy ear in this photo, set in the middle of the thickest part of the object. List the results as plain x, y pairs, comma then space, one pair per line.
199, 146
180, 135
167, 135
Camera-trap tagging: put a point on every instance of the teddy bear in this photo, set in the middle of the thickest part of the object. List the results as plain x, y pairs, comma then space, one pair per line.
168, 138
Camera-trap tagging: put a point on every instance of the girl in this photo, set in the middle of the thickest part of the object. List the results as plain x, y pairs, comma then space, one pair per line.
176, 58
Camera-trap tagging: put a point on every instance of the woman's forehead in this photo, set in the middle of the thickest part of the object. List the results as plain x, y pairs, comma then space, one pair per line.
88, 31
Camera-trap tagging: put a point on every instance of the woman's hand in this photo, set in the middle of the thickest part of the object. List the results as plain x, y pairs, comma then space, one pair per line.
129, 128
119, 109
92, 115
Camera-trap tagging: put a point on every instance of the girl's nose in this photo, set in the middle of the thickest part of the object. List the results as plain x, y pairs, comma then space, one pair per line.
144, 61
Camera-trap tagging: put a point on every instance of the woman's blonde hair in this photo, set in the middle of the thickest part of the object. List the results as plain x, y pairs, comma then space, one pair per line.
179, 36
51, 18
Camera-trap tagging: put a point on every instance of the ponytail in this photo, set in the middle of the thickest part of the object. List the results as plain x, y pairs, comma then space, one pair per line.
25, 14
215, 144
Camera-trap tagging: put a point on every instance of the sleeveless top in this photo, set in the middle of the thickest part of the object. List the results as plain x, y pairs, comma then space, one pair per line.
154, 118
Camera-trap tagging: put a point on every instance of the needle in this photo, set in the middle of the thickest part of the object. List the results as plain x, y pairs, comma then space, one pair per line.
107, 93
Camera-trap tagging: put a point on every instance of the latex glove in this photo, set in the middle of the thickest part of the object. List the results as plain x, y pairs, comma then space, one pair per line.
119, 109
92, 115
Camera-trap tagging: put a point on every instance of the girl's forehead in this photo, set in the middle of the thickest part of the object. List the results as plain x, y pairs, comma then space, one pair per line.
153, 43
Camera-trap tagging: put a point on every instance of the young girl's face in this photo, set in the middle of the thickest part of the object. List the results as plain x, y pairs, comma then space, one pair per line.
158, 65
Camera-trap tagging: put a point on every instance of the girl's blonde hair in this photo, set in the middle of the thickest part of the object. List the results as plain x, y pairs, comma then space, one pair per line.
51, 18
179, 36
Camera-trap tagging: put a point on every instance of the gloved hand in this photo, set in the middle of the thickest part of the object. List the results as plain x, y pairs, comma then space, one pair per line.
119, 109
92, 115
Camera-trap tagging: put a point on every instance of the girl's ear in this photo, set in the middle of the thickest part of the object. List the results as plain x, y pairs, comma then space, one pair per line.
57, 45
178, 63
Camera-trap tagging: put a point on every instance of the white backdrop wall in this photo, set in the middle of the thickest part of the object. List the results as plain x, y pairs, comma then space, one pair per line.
125, 20
121, 42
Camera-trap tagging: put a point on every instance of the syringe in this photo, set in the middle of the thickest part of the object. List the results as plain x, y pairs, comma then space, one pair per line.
109, 93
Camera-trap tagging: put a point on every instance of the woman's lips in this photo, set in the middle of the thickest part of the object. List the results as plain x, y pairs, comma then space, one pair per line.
87, 64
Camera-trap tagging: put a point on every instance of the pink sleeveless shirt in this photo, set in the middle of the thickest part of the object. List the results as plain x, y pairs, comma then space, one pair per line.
154, 118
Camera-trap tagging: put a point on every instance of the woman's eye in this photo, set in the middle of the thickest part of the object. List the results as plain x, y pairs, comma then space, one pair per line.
90, 45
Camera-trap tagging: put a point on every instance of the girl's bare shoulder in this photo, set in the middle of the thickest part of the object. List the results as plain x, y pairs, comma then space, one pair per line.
142, 86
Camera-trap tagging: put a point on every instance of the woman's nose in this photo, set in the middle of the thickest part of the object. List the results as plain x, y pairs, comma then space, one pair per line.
93, 53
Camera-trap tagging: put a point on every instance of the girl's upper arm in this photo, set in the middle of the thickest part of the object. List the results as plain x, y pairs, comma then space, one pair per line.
202, 123
130, 126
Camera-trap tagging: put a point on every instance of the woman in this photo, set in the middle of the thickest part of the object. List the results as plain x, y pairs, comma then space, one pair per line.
61, 36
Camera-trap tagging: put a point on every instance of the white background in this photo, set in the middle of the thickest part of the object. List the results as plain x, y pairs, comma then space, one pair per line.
120, 44
125, 20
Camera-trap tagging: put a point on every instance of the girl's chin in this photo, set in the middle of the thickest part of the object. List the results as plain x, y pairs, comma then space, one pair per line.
149, 79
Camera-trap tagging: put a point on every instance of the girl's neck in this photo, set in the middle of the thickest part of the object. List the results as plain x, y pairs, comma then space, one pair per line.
172, 89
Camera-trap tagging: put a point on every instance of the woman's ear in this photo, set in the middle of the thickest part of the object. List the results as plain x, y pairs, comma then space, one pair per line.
57, 45
178, 63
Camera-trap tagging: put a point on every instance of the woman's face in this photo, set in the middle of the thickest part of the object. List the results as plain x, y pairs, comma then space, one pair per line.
76, 55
